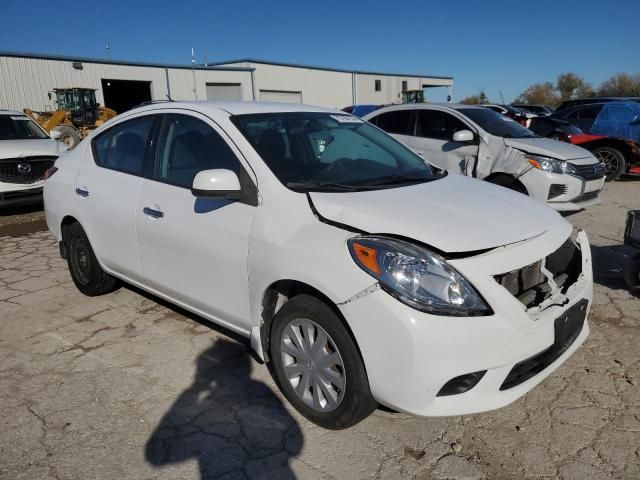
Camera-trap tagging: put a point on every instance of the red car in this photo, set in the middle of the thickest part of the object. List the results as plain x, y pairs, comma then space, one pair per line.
613, 152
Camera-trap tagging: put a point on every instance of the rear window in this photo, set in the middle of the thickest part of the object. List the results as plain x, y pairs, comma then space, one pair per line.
123, 146
19, 127
398, 121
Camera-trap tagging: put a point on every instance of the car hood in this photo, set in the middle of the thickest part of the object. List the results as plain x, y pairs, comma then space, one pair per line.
454, 214
30, 148
548, 147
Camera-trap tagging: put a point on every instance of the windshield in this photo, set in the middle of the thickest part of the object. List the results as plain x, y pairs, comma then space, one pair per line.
496, 124
19, 127
310, 151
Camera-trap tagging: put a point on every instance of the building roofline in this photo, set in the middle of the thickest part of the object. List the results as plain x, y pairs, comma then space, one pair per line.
329, 69
66, 58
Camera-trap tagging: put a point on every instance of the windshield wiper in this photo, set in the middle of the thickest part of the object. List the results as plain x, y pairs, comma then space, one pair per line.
322, 187
393, 179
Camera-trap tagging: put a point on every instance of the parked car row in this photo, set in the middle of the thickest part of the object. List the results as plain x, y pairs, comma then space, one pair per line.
362, 272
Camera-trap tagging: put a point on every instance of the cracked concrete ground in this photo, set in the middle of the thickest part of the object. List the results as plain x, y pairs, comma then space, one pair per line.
125, 386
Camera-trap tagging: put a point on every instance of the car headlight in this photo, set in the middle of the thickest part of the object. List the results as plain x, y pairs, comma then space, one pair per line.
550, 165
417, 277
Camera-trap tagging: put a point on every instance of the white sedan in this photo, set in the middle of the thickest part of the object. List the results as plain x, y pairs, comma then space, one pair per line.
364, 275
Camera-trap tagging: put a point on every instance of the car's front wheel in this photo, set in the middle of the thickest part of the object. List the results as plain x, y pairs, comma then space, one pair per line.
318, 366
85, 270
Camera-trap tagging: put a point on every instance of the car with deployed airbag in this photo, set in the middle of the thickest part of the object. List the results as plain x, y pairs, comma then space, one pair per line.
481, 143
362, 274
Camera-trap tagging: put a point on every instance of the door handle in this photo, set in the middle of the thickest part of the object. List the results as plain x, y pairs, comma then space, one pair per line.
82, 193
152, 213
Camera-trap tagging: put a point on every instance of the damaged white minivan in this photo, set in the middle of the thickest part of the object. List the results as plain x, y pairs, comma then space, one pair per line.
364, 275
480, 143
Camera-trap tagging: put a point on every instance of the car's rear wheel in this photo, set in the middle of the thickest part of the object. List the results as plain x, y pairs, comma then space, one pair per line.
318, 366
85, 270
614, 162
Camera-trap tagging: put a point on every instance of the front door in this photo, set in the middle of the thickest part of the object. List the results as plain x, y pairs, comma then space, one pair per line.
434, 141
195, 250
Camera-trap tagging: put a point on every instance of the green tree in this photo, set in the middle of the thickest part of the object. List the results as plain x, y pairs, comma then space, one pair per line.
621, 84
475, 99
571, 86
539, 94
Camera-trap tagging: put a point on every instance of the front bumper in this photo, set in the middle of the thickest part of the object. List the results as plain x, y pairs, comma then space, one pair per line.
15, 194
410, 355
577, 193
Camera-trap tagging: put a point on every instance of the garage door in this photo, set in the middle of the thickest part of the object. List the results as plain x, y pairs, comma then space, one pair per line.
224, 91
280, 96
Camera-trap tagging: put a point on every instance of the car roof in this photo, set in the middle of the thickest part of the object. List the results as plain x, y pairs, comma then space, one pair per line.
11, 112
235, 107
454, 106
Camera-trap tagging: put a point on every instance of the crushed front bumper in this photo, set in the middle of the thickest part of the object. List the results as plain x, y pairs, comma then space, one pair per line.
410, 355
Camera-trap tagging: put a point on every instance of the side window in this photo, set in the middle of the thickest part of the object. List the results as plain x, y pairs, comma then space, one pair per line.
617, 113
438, 125
123, 146
188, 146
378, 85
589, 113
397, 121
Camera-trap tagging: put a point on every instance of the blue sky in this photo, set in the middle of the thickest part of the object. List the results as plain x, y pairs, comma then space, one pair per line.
501, 45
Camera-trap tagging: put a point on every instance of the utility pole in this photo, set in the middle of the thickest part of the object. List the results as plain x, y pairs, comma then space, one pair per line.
108, 52
205, 60
501, 97
193, 69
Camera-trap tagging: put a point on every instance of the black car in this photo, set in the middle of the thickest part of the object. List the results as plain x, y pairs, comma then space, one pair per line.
585, 101
632, 239
540, 110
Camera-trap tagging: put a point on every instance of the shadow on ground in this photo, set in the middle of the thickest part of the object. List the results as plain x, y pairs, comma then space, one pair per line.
233, 425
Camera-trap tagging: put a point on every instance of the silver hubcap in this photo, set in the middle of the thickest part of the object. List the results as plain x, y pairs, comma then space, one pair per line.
610, 161
312, 364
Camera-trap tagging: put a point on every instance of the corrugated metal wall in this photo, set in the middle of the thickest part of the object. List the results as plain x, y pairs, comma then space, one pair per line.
25, 82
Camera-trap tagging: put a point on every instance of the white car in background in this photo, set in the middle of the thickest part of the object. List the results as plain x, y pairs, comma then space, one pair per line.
362, 273
26, 153
483, 144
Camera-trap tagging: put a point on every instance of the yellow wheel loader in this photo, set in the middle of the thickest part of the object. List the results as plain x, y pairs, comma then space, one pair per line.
76, 115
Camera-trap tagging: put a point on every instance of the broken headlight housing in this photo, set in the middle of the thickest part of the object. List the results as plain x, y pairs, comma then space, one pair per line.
551, 165
417, 277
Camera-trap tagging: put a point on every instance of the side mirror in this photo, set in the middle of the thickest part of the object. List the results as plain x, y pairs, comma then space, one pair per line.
218, 183
55, 134
463, 136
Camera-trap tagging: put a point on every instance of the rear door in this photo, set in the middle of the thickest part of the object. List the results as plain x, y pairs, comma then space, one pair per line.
107, 190
399, 123
434, 137
195, 250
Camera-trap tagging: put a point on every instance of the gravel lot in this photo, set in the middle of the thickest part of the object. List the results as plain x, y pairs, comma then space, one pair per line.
125, 386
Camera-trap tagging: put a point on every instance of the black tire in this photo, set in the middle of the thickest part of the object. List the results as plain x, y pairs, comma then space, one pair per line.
356, 402
510, 183
614, 162
85, 270
68, 135
632, 274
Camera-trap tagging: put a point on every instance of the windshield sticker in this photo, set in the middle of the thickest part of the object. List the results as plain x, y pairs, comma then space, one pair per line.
346, 119
23, 118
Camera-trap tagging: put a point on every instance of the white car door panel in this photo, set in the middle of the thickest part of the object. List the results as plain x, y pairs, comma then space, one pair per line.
107, 189
208, 270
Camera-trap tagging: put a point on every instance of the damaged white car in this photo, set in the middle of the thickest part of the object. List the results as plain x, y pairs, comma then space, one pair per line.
363, 274
483, 144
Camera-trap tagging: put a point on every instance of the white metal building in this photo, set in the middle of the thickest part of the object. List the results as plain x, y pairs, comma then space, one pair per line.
26, 80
